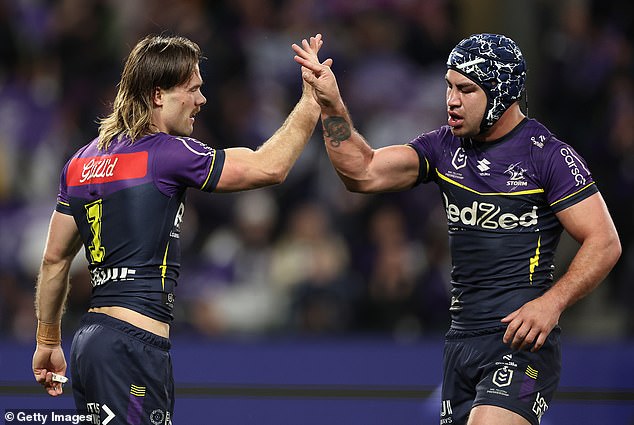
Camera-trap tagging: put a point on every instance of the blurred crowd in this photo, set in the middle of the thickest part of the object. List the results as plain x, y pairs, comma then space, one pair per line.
307, 257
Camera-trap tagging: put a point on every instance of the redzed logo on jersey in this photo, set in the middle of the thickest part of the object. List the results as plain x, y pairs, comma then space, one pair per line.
105, 169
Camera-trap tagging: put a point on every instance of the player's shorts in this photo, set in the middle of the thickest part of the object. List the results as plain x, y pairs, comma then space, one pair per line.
121, 372
479, 369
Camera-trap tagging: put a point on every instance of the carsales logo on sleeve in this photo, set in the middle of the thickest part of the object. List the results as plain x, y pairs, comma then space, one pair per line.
106, 169
573, 162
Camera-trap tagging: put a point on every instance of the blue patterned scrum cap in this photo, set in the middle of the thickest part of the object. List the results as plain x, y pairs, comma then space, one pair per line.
496, 64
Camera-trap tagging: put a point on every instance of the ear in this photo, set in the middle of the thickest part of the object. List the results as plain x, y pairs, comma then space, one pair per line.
157, 96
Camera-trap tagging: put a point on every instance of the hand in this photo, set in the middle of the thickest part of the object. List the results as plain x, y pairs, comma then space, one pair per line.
317, 74
46, 361
530, 324
314, 45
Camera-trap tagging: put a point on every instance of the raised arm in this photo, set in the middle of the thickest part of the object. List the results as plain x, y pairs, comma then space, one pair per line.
361, 168
590, 224
270, 163
62, 245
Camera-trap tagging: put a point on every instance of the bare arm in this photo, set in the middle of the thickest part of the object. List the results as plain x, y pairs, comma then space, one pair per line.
270, 163
589, 223
62, 245
361, 168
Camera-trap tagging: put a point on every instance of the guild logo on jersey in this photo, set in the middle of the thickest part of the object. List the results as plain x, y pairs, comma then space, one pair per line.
488, 216
459, 159
105, 169
98, 168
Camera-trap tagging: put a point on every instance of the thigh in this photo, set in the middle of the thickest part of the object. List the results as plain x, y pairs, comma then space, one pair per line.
492, 415
460, 376
117, 376
521, 382
480, 370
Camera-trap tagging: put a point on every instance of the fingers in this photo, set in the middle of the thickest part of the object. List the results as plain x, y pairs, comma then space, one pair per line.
517, 335
541, 339
304, 53
316, 42
52, 388
309, 77
315, 67
520, 335
511, 328
510, 317
40, 376
45, 378
522, 341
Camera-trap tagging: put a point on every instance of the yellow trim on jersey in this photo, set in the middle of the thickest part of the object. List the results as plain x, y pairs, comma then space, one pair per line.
572, 194
163, 266
66, 204
534, 261
455, 183
211, 168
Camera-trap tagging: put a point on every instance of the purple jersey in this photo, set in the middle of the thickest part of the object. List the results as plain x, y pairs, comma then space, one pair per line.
128, 203
501, 198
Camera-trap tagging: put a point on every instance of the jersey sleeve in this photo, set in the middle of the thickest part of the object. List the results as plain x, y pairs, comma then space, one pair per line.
566, 177
424, 147
187, 162
63, 200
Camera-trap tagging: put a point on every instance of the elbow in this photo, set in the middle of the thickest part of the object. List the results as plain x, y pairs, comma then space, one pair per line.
353, 184
275, 176
615, 248
53, 259
357, 185
611, 250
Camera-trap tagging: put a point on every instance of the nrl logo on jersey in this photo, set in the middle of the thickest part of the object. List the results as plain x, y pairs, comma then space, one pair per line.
459, 159
517, 175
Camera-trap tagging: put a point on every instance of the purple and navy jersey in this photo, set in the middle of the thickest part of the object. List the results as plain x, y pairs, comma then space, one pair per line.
501, 198
128, 203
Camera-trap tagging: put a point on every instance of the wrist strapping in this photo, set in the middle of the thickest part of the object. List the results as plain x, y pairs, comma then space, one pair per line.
48, 333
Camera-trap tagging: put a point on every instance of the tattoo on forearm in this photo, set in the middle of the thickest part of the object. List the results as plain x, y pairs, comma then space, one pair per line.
337, 130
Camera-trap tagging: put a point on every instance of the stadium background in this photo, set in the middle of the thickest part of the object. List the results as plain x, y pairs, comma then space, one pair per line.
306, 275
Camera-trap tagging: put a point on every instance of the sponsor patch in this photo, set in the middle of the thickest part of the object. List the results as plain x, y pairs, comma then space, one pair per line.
106, 169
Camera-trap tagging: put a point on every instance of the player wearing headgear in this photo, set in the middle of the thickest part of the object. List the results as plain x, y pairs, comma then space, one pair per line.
509, 188
495, 63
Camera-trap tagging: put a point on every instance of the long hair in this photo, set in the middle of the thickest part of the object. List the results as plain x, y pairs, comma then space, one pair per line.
155, 62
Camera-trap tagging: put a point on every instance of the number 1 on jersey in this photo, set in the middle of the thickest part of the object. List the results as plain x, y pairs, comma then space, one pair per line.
93, 215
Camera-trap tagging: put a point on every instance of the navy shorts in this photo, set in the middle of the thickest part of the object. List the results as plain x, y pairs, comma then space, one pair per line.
121, 372
478, 368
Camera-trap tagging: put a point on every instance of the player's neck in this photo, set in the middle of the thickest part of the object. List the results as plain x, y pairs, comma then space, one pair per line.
507, 122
